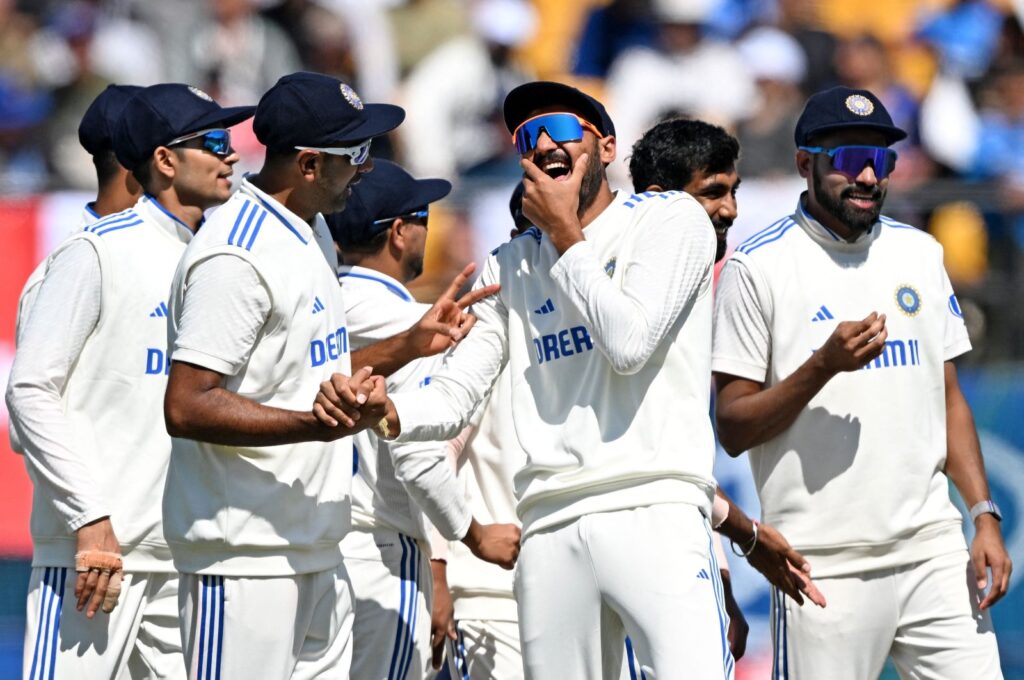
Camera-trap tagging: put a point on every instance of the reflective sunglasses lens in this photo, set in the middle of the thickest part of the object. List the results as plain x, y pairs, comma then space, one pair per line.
561, 127
218, 142
850, 160
359, 156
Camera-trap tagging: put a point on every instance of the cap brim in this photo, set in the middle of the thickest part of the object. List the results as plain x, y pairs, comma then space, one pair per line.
525, 99
222, 118
892, 133
380, 118
427, 191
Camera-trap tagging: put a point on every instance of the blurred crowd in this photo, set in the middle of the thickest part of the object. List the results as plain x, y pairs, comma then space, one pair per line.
950, 71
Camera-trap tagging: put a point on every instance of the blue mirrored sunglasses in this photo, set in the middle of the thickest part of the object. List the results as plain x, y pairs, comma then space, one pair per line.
417, 215
851, 159
561, 127
217, 142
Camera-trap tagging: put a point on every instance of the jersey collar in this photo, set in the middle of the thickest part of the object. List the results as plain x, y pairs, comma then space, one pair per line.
286, 217
828, 238
346, 272
150, 209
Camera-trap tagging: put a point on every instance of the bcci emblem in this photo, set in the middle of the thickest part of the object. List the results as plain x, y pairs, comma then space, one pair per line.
351, 97
609, 267
199, 93
860, 105
909, 300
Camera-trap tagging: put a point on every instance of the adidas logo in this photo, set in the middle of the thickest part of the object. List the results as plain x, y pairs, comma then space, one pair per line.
545, 308
317, 305
703, 574
160, 311
822, 315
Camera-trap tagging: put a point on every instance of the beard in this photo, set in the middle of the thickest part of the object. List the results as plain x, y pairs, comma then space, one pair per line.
415, 268
593, 175
855, 218
721, 240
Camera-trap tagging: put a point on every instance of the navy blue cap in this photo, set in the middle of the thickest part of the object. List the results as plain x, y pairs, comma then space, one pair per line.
843, 107
159, 114
96, 130
311, 109
386, 191
525, 99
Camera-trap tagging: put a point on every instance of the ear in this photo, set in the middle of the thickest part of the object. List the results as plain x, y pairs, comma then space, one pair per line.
804, 163
165, 162
307, 163
606, 149
655, 187
397, 237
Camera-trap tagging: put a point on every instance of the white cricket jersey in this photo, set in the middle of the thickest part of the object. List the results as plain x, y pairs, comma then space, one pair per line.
272, 510
27, 299
608, 348
392, 482
856, 482
487, 463
92, 424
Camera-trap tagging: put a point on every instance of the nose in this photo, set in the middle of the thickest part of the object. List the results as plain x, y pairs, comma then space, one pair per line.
728, 208
544, 143
867, 176
232, 156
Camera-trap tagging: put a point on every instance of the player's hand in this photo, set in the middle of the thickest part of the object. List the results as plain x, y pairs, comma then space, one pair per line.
853, 344
494, 543
98, 563
988, 552
784, 567
342, 400
447, 322
553, 204
442, 618
738, 628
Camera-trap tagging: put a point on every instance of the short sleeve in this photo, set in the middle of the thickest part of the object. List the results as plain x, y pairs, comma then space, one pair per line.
955, 340
225, 305
741, 342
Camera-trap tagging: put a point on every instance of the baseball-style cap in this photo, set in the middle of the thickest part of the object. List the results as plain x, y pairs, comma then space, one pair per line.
96, 130
844, 107
525, 99
385, 192
159, 114
311, 109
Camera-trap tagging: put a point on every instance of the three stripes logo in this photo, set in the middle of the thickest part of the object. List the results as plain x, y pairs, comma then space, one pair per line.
160, 311
703, 574
317, 305
822, 315
545, 308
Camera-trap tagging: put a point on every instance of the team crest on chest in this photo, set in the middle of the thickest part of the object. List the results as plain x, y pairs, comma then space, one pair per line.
351, 97
908, 300
609, 267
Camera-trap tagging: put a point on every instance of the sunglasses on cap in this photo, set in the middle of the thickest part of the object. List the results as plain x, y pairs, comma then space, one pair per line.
561, 127
851, 159
217, 142
418, 215
357, 154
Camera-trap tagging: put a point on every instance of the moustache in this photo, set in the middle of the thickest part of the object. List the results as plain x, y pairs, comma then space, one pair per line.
874, 193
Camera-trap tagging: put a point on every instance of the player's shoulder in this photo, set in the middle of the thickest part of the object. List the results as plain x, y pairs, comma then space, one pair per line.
114, 225
900, 231
239, 223
526, 241
363, 284
764, 245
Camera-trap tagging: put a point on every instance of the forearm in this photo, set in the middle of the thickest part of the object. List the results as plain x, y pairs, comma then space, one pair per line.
753, 418
430, 480
964, 464
385, 356
219, 416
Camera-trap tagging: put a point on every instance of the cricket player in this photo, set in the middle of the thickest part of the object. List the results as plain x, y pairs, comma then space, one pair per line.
835, 331
382, 234
87, 383
604, 331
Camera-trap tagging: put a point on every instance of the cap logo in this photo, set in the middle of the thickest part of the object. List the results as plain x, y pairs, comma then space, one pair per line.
351, 97
860, 105
199, 93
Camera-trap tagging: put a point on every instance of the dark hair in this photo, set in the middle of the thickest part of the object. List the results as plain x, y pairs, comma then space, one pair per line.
107, 166
144, 173
371, 247
670, 152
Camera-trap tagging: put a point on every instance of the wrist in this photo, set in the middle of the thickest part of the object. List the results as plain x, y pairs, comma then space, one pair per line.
745, 549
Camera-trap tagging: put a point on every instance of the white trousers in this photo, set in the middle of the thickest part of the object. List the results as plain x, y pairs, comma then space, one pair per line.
267, 627
139, 639
925, 615
648, 573
392, 588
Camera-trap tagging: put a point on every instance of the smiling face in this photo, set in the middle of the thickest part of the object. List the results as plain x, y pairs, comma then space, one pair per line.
716, 192
557, 159
202, 178
849, 205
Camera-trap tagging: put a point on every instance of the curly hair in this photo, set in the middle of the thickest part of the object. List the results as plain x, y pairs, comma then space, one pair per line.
672, 151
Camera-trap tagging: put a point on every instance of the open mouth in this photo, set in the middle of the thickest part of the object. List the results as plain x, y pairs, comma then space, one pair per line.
862, 201
556, 166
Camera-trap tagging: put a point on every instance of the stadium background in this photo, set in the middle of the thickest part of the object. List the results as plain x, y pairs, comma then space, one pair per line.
951, 72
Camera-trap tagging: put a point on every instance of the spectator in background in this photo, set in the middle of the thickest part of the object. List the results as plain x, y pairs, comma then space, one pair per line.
425, 25
965, 36
609, 30
454, 96
800, 19
684, 73
779, 65
23, 166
